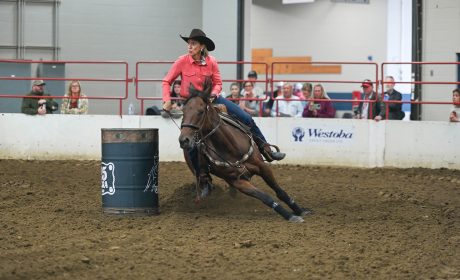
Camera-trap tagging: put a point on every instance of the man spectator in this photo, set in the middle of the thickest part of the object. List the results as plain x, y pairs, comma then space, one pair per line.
289, 105
367, 110
395, 111
40, 106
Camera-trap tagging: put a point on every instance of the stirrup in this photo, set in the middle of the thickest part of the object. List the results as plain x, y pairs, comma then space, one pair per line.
269, 155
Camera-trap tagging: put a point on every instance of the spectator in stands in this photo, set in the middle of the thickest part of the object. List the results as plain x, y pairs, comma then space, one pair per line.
395, 111
40, 106
366, 109
288, 105
176, 104
252, 77
298, 90
74, 101
250, 106
319, 109
455, 112
306, 93
235, 93
270, 101
194, 67
175, 93
258, 91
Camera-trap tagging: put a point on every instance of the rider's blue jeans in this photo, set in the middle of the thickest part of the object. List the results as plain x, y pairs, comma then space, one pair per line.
241, 115
237, 112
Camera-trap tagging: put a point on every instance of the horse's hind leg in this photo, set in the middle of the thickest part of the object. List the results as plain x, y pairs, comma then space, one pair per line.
247, 188
267, 174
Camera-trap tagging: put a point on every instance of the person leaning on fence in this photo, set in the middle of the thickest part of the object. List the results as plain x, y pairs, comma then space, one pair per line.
319, 109
288, 104
38, 106
194, 68
395, 111
455, 112
366, 109
74, 101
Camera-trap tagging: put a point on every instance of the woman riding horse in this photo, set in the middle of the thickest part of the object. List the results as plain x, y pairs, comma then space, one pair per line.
194, 68
230, 153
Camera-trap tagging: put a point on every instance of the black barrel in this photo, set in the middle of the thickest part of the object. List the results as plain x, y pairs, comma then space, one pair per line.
129, 171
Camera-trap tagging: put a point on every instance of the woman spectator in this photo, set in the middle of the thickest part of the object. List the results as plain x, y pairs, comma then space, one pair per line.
319, 109
74, 101
455, 112
250, 106
175, 93
306, 93
235, 93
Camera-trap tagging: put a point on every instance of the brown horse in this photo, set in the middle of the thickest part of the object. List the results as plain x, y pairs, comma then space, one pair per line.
229, 153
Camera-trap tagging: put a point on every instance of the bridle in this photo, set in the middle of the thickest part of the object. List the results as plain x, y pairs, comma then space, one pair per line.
198, 135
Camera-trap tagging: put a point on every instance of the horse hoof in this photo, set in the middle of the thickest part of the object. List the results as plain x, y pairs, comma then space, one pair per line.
295, 219
206, 190
306, 212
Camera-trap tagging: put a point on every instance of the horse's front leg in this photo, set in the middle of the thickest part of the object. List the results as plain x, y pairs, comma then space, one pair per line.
247, 188
267, 174
199, 166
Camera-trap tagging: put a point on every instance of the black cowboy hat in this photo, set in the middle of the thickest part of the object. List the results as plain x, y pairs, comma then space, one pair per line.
200, 36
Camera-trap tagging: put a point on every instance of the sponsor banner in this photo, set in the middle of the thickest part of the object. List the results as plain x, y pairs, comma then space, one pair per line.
317, 134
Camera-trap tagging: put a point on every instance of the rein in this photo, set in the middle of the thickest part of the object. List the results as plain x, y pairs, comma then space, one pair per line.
200, 128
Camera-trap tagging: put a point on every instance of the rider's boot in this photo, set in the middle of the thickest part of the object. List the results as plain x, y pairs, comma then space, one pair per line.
267, 152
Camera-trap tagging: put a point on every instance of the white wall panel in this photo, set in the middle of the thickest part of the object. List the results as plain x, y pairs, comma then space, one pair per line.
341, 142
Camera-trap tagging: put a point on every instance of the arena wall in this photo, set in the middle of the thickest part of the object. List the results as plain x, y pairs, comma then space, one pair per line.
338, 142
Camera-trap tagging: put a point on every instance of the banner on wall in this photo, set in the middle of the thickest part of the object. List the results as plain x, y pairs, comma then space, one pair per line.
317, 134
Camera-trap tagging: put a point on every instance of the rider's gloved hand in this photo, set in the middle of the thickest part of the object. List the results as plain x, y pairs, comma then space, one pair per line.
167, 105
213, 97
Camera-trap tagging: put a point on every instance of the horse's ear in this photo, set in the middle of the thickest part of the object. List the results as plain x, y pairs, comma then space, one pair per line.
192, 90
207, 87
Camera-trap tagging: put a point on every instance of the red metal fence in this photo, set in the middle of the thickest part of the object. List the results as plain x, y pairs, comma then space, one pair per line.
269, 81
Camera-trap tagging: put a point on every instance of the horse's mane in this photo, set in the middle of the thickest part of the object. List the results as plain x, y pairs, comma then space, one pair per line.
204, 94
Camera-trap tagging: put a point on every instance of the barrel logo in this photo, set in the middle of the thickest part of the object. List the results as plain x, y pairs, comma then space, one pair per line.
152, 180
108, 178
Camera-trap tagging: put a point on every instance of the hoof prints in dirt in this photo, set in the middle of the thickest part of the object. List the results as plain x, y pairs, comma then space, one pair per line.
368, 224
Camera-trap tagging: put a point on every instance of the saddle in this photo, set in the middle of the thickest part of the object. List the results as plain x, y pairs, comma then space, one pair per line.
236, 123
264, 148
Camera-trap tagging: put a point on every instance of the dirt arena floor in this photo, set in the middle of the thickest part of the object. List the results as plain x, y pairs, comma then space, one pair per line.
369, 224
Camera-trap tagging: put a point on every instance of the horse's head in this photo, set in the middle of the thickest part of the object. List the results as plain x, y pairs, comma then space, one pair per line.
195, 119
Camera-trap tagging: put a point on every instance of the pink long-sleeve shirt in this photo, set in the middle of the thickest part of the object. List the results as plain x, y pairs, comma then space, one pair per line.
192, 72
